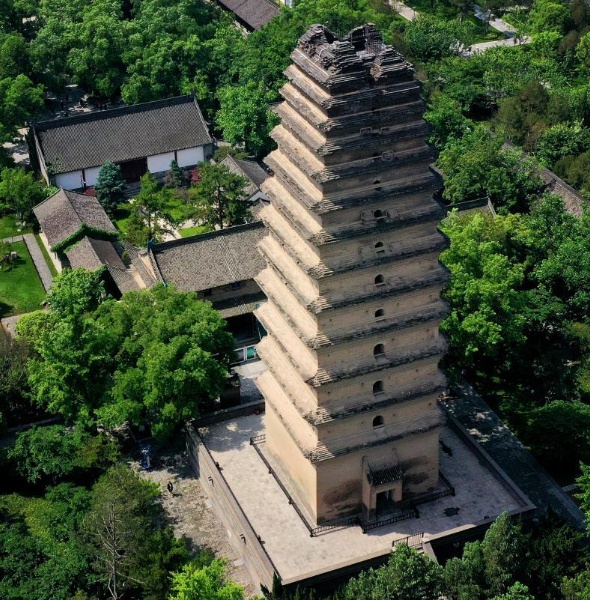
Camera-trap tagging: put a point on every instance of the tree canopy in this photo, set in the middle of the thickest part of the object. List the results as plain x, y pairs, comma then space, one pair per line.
219, 196
154, 358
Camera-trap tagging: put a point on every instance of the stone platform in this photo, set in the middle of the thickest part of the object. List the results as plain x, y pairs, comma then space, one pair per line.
482, 492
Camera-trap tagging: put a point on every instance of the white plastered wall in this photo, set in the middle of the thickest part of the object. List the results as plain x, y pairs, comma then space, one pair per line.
190, 156
160, 162
69, 181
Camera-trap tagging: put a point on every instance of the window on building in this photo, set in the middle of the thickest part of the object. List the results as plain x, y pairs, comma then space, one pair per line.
379, 313
376, 183
377, 387
379, 248
377, 421
379, 350
379, 280
379, 215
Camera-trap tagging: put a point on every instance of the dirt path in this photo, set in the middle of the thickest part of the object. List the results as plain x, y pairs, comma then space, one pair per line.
190, 510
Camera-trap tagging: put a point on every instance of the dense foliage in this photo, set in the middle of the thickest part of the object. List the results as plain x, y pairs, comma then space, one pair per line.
155, 358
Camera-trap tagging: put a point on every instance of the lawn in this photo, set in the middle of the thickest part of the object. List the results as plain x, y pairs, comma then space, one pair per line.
8, 227
46, 255
178, 209
21, 290
190, 231
122, 216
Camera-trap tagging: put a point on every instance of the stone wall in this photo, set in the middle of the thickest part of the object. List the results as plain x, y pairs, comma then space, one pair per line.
241, 534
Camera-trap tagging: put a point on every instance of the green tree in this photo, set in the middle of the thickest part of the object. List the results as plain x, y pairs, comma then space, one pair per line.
75, 292
20, 192
562, 140
555, 552
583, 51
548, 15
20, 101
208, 582
578, 587
407, 576
13, 380
154, 358
133, 550
70, 368
172, 354
148, 213
96, 60
110, 186
14, 56
20, 556
490, 567
57, 36
476, 166
245, 117
55, 451
518, 591
219, 197
447, 120
176, 177
560, 433
428, 38
486, 320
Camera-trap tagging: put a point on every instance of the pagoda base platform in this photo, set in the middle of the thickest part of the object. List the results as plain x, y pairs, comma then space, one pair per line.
270, 534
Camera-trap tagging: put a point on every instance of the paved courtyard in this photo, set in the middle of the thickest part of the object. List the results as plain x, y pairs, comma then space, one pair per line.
480, 496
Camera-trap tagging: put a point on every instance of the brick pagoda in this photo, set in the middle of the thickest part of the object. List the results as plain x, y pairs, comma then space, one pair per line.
353, 282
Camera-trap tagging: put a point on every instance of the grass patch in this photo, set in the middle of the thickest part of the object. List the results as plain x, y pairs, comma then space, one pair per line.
21, 290
8, 227
46, 255
190, 231
121, 216
178, 210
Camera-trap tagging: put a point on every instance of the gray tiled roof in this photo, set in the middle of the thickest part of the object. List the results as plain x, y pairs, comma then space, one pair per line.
249, 169
64, 213
121, 134
254, 13
92, 254
241, 305
253, 171
211, 260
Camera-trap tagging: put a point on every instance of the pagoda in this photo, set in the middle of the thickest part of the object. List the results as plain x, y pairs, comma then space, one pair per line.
353, 282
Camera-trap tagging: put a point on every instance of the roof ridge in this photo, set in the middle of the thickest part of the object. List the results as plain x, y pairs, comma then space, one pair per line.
67, 193
116, 111
206, 236
49, 198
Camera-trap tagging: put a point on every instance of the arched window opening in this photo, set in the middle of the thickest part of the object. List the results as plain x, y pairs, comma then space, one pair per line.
379, 350
377, 387
379, 280
377, 421
379, 248
376, 183
379, 313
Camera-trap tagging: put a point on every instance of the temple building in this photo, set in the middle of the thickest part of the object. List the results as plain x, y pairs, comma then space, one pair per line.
353, 282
